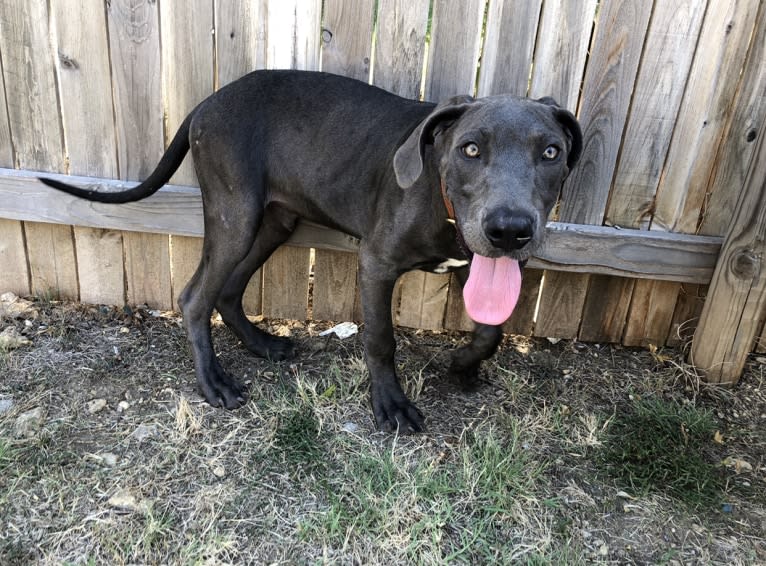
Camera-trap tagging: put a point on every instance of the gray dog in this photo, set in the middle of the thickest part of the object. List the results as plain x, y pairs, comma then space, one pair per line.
464, 185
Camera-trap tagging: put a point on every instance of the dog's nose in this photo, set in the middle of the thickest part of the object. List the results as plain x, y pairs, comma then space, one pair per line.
509, 230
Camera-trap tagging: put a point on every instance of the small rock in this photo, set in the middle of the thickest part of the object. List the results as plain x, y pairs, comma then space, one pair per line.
350, 427
10, 339
143, 432
27, 424
6, 405
122, 406
96, 405
11, 306
738, 464
109, 459
124, 500
219, 471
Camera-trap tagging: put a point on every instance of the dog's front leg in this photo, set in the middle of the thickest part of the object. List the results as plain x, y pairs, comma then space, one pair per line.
393, 411
466, 360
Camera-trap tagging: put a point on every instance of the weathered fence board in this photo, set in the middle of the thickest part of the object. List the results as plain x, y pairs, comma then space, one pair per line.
85, 90
147, 269
293, 39
701, 123
241, 45
503, 70
36, 129
748, 114
100, 268
670, 45
400, 46
737, 298
286, 283
562, 48
454, 49
608, 85
15, 273
134, 35
14, 276
241, 32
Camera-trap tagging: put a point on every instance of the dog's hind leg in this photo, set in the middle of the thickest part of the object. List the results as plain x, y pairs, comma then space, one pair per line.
229, 235
276, 227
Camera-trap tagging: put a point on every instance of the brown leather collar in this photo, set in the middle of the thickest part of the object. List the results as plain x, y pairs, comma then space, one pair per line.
447, 202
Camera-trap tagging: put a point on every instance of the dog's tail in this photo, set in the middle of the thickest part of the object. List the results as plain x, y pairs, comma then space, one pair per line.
170, 161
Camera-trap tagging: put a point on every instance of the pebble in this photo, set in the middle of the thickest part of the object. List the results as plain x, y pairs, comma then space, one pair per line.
109, 459
126, 501
143, 432
10, 339
96, 405
27, 424
219, 471
122, 406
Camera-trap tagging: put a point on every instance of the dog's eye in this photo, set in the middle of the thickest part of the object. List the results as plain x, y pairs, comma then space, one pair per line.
551, 152
471, 150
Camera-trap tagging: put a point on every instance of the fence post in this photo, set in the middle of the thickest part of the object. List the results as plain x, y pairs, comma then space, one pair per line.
737, 296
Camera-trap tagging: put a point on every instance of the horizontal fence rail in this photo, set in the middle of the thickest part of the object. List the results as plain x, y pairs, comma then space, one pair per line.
578, 248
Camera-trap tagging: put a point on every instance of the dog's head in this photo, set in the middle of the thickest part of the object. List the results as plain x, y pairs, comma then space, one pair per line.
502, 160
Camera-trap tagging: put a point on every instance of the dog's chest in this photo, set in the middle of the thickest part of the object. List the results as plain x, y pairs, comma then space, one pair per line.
445, 266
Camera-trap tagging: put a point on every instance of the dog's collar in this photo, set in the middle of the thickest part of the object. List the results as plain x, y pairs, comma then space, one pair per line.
447, 203
452, 220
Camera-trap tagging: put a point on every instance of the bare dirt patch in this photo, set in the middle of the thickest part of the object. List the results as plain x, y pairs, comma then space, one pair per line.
119, 460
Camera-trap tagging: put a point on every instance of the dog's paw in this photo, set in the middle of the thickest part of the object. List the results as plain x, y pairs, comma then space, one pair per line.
278, 348
395, 413
221, 390
466, 378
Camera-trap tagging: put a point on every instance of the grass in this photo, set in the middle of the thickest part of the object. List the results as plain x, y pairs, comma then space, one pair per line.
653, 444
533, 468
454, 506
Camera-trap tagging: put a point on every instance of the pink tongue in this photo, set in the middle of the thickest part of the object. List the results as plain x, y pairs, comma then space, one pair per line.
492, 289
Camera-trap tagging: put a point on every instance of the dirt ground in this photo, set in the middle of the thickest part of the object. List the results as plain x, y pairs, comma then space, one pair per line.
109, 455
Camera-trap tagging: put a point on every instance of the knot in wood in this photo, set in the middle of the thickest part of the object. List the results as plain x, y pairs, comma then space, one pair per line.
67, 62
745, 264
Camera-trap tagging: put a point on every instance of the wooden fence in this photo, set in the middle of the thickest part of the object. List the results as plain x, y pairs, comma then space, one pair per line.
670, 96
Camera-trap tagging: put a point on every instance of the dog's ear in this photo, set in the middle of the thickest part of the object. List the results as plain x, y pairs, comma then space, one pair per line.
574, 133
571, 128
408, 159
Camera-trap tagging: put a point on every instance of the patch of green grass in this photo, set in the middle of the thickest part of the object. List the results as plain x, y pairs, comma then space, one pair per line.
660, 445
456, 506
297, 442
